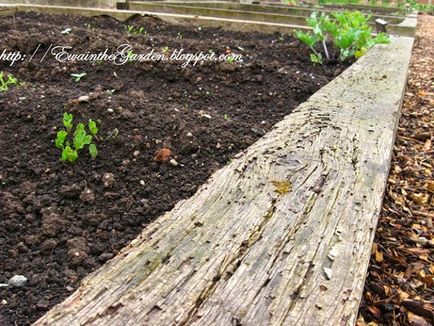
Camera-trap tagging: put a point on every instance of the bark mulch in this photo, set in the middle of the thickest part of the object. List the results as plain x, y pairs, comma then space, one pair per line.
399, 287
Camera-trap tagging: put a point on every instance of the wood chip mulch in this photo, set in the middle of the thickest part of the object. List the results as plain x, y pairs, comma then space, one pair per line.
399, 289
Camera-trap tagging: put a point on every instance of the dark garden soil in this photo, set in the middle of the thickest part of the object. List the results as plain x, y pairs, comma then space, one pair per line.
60, 222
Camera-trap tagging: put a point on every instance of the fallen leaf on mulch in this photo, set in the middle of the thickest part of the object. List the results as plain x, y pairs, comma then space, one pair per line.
425, 310
416, 320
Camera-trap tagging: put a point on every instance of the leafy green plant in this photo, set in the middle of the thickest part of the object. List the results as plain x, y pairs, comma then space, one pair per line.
80, 139
78, 77
424, 7
347, 31
132, 30
6, 82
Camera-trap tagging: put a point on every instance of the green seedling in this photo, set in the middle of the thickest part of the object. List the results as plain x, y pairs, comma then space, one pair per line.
179, 36
132, 30
80, 139
78, 77
165, 50
230, 59
129, 28
66, 31
5, 83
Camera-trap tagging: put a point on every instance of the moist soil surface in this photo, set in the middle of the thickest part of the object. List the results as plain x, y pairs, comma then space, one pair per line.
60, 221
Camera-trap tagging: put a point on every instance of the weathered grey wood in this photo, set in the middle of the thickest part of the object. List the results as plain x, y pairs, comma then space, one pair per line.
282, 235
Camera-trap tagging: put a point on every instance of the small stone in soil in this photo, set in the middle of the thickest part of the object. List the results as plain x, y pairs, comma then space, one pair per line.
142, 183
87, 196
84, 98
173, 162
76, 257
162, 155
17, 281
108, 179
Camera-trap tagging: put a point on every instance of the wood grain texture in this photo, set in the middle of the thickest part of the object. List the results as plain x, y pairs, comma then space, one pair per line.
281, 236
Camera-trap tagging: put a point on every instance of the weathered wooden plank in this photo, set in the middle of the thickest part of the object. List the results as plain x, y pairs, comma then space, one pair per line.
282, 235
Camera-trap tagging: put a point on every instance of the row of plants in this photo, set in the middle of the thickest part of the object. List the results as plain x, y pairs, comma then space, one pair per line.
423, 7
403, 5
377, 3
347, 31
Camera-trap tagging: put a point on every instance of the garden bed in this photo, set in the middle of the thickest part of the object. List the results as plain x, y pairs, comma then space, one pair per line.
60, 221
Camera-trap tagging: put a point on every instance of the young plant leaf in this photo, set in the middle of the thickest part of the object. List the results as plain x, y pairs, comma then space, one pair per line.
79, 128
77, 77
67, 121
306, 38
81, 139
69, 155
316, 58
93, 151
60, 139
92, 127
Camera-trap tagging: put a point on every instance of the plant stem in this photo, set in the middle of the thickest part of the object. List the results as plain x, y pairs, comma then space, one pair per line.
325, 49
314, 51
